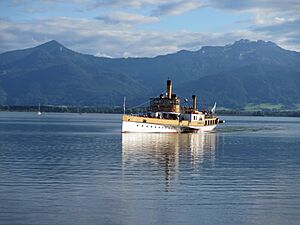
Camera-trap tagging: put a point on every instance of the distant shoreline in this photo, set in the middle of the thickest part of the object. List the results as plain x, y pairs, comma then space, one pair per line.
119, 110
282, 113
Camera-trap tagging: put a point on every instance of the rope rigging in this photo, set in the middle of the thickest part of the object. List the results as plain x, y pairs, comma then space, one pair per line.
138, 105
143, 102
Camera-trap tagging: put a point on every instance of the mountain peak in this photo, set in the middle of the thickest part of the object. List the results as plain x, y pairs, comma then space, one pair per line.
234, 75
52, 43
52, 46
245, 42
242, 41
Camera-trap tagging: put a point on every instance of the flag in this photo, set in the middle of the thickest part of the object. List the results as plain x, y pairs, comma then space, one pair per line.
213, 110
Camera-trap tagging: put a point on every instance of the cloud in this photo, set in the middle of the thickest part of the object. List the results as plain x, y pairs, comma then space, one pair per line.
157, 7
114, 33
275, 19
286, 32
176, 7
122, 3
122, 17
165, 5
265, 11
115, 40
247, 5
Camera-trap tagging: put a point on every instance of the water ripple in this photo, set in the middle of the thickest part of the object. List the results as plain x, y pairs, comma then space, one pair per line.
73, 169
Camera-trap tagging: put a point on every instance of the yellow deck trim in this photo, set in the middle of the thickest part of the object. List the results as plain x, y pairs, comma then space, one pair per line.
184, 123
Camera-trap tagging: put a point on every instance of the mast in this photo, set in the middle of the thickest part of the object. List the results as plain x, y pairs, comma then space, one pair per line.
124, 105
39, 112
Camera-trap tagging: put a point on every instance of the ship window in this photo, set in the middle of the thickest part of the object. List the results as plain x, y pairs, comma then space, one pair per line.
151, 126
137, 125
142, 125
147, 126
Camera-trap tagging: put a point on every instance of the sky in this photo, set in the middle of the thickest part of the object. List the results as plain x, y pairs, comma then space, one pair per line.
146, 28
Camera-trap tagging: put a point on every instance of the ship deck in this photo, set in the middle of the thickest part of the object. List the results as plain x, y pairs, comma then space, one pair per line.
169, 122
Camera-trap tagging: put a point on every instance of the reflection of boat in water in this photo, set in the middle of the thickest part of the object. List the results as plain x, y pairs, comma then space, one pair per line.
167, 152
166, 115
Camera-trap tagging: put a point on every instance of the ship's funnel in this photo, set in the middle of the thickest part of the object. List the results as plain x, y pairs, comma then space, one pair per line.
169, 89
194, 102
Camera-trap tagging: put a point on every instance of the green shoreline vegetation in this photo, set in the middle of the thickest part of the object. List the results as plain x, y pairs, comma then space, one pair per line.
119, 110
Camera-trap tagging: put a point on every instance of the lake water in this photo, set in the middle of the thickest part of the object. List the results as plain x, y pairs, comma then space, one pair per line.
79, 169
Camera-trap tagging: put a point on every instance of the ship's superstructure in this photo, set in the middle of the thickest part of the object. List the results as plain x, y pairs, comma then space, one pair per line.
166, 115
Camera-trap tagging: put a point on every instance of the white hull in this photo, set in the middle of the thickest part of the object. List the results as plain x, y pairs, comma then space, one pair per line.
204, 128
137, 127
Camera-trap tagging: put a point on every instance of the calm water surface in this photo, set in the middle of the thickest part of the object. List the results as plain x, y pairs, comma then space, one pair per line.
79, 169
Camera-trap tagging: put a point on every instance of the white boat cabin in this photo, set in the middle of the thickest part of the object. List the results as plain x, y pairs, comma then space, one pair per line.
193, 117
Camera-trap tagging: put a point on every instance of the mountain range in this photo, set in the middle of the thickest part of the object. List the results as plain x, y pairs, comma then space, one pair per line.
245, 72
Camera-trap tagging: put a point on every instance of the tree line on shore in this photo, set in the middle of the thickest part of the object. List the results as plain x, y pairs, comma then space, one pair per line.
120, 110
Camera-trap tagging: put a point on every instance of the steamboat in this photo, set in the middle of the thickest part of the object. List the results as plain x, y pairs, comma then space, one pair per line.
166, 115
